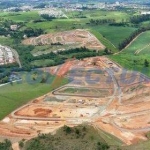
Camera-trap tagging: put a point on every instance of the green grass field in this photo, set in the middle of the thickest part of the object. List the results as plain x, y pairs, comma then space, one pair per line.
44, 49
20, 16
142, 41
58, 25
104, 41
115, 34
44, 62
6, 41
15, 95
90, 14
99, 14
135, 61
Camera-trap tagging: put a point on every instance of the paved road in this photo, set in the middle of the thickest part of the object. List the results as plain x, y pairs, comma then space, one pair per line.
16, 57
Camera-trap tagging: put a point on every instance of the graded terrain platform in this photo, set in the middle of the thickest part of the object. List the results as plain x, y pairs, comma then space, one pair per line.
65, 40
99, 93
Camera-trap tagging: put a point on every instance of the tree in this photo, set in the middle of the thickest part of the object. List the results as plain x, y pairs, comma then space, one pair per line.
21, 144
77, 131
107, 51
6, 145
146, 63
67, 129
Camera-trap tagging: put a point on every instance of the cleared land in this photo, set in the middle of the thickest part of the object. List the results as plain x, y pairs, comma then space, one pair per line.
126, 102
66, 40
17, 94
117, 113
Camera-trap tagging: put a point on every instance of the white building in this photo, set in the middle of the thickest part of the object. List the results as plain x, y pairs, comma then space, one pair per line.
14, 27
6, 55
145, 13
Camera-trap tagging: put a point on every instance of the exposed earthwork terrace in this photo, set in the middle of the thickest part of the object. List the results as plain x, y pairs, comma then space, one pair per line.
73, 39
99, 93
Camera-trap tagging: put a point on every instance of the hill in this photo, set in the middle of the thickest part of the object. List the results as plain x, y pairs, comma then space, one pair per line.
134, 56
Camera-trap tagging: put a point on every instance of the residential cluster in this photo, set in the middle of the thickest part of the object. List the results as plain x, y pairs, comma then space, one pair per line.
53, 9
52, 12
6, 55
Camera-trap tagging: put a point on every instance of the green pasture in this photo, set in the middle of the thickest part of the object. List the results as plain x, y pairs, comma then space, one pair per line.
141, 42
6, 41
100, 14
129, 59
104, 41
17, 94
44, 49
44, 62
21, 16
115, 34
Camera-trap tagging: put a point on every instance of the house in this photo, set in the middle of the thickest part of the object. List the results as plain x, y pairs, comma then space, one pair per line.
14, 27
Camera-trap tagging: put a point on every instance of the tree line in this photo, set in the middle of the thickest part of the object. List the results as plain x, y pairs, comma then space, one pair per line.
139, 18
101, 21
48, 17
57, 58
132, 36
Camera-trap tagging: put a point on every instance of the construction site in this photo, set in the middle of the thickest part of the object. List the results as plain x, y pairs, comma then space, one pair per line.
62, 41
100, 93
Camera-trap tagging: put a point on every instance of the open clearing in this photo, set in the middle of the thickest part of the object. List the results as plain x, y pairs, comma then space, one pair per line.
109, 32
133, 57
141, 42
17, 94
82, 100
65, 40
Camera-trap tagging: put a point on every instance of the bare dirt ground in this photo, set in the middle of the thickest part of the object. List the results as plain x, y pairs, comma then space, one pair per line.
78, 38
122, 112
